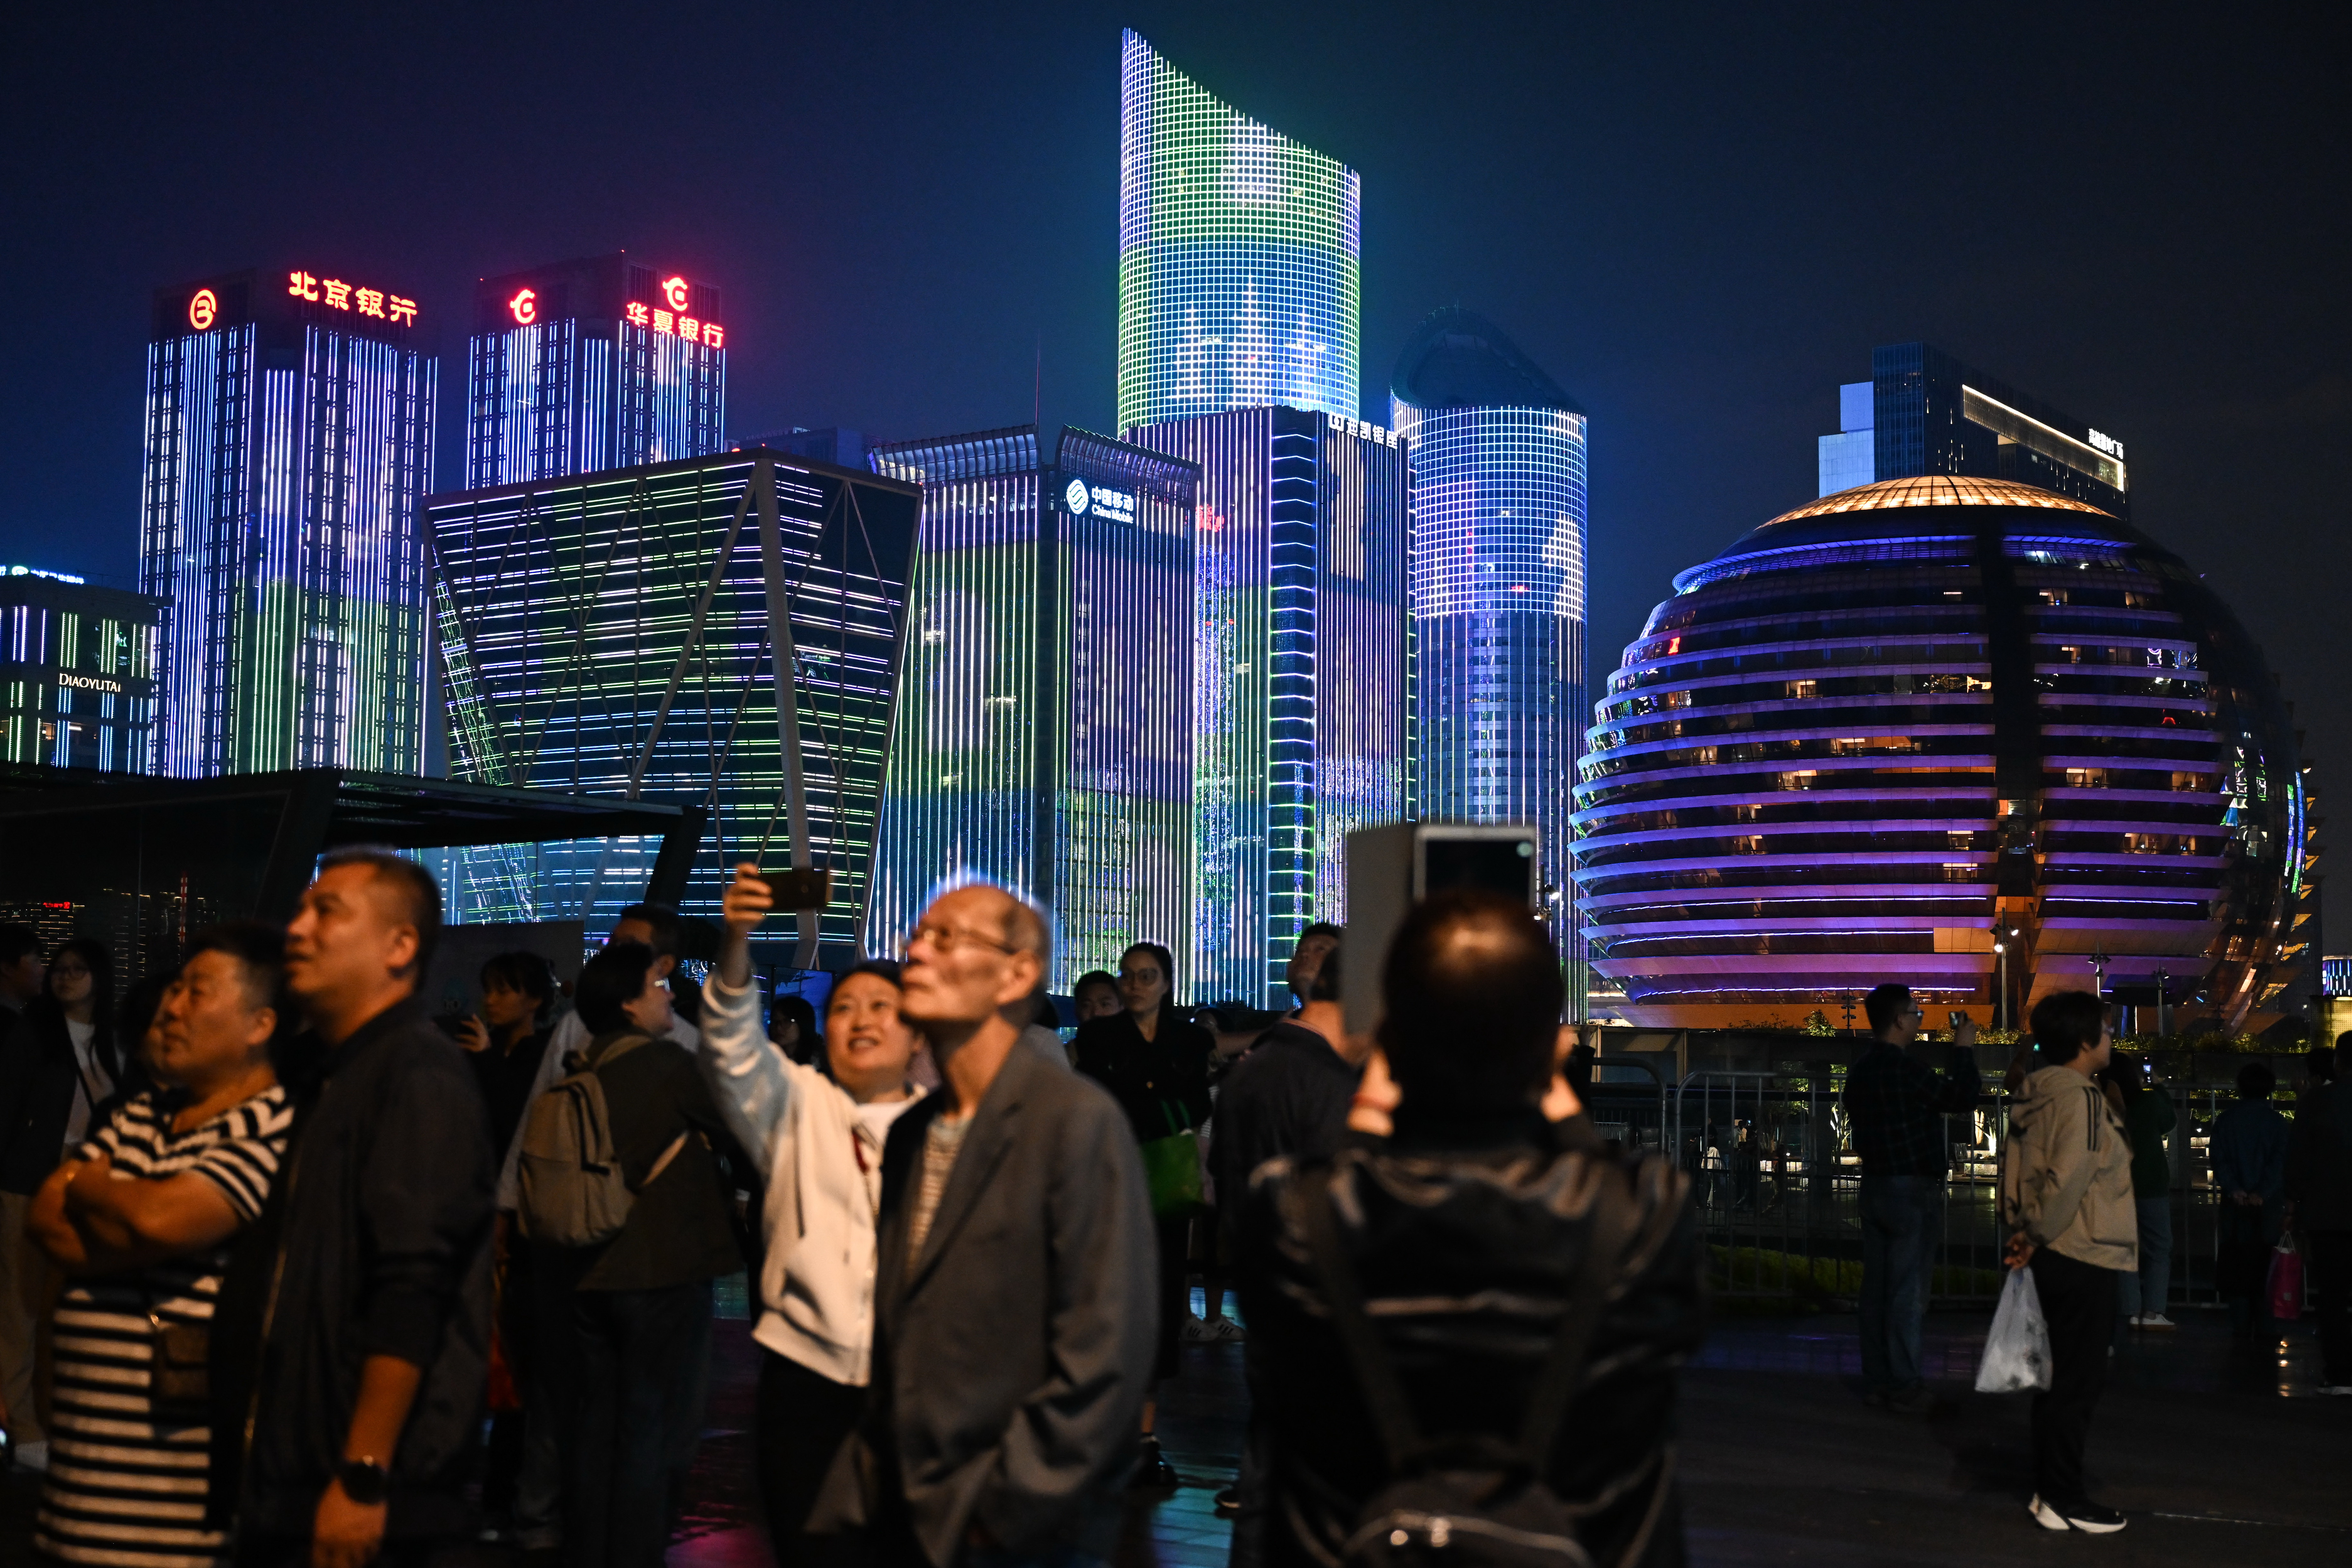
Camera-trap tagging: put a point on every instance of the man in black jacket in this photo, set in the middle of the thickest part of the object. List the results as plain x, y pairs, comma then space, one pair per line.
1014, 1296
2319, 1207
1468, 1234
353, 1335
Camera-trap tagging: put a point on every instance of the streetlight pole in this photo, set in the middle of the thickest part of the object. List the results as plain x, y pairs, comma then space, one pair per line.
2001, 982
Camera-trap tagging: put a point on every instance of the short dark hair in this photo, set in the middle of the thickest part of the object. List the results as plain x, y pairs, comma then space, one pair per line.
410, 882
1325, 986
795, 1010
608, 983
2066, 1024
1886, 1004
2255, 1081
1320, 928
1092, 977
259, 950
18, 939
661, 920
1472, 996
2321, 1063
520, 971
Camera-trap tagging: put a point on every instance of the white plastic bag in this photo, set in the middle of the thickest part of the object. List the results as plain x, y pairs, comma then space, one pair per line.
2017, 1351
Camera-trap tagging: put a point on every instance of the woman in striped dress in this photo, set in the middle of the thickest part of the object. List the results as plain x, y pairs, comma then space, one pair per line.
141, 1217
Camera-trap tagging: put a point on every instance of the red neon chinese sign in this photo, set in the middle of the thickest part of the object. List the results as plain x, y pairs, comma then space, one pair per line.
338, 295
673, 322
202, 309
525, 307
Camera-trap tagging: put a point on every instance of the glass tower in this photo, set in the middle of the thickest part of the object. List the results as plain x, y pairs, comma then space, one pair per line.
600, 364
289, 446
76, 673
632, 633
1497, 584
1238, 258
1044, 732
1303, 675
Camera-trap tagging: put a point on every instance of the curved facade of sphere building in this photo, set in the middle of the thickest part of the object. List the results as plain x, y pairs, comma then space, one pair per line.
1883, 728
1239, 256
1498, 582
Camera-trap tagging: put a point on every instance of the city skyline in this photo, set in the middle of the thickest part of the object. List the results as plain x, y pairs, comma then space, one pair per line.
866, 322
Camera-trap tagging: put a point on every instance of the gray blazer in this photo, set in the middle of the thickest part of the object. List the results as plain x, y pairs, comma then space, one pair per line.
1012, 1356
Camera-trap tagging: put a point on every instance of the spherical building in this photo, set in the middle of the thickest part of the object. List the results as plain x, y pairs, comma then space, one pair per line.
1888, 732
1498, 582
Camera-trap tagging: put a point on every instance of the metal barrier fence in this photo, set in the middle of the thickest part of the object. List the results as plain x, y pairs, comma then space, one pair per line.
1778, 1190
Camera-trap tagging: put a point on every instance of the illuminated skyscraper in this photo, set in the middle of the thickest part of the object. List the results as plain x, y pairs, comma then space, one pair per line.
1497, 583
76, 673
288, 444
599, 363
618, 634
1303, 670
1044, 735
1239, 281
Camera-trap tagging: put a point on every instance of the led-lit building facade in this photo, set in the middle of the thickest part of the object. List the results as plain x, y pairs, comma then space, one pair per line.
1498, 553
1044, 735
1887, 729
1924, 412
720, 631
76, 673
1304, 702
1239, 271
603, 362
289, 445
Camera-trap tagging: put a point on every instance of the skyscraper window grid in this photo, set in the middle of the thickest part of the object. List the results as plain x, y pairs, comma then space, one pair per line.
76, 673
1240, 276
286, 451
1499, 562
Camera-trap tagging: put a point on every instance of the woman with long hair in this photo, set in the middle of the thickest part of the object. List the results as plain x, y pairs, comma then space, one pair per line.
1155, 1063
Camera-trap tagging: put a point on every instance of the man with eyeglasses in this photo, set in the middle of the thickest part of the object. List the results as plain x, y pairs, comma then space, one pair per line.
1015, 1298
1898, 1105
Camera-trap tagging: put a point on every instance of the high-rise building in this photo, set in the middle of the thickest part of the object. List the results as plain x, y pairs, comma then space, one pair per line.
1239, 278
289, 445
1044, 735
605, 362
76, 673
1924, 412
1498, 553
721, 631
834, 444
1303, 659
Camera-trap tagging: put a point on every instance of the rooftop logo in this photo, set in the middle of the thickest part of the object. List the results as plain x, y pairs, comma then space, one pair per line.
1075, 498
1079, 498
525, 307
202, 309
2107, 443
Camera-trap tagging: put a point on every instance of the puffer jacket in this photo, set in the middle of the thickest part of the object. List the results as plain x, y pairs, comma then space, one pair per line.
1467, 1240
2066, 1176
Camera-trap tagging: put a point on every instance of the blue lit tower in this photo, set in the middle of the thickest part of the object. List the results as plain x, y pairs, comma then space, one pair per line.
289, 445
1498, 582
1303, 701
1239, 278
605, 362
1043, 736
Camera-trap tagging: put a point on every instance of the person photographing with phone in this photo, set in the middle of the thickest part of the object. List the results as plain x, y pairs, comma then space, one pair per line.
1898, 1105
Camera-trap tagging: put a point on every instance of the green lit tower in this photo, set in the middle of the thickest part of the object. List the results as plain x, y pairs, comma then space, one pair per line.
1239, 269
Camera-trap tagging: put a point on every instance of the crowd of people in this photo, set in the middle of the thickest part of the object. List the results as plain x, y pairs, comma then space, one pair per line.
292, 1273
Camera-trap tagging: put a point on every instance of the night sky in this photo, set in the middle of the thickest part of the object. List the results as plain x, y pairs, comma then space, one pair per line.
1699, 221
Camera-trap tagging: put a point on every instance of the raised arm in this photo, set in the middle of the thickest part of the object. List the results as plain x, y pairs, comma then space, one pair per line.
748, 1076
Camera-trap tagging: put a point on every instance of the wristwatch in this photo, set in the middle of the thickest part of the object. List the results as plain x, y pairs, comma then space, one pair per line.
365, 1481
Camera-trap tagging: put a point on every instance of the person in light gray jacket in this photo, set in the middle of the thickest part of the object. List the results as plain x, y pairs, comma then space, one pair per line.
818, 1135
2066, 1197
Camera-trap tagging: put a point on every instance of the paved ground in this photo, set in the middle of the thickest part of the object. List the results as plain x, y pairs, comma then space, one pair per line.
2213, 1448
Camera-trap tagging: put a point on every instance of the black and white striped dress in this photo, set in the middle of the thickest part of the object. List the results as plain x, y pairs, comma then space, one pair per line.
121, 1491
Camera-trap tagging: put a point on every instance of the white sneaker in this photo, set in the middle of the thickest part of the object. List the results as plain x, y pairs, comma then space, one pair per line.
2336, 1388
1225, 1331
2155, 1321
2047, 1516
33, 1456
1195, 1331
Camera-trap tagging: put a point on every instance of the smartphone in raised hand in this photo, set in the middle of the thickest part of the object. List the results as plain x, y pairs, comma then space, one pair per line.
800, 887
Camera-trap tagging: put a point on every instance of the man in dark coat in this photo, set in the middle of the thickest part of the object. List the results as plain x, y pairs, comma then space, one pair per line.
2319, 1198
1014, 1296
353, 1337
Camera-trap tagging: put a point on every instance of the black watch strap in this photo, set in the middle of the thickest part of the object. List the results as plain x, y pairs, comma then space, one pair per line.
365, 1481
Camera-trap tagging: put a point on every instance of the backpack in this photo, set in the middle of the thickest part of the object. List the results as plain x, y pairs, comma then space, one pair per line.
1473, 1501
568, 1180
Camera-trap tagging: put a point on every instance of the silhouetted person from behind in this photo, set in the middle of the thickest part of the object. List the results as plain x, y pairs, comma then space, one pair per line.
1488, 1292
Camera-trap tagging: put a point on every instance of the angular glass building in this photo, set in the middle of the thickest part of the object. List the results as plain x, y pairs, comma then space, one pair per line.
289, 446
1497, 584
721, 631
605, 362
76, 673
1886, 730
1303, 675
1043, 731
1239, 278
